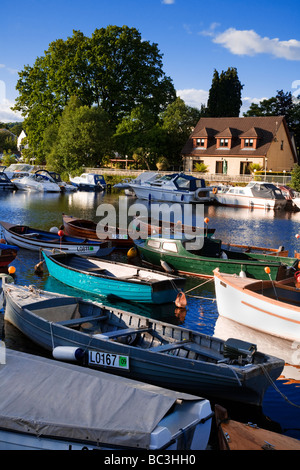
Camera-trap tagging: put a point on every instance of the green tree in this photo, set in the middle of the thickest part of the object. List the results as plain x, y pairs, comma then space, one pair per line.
295, 178
81, 138
114, 69
225, 99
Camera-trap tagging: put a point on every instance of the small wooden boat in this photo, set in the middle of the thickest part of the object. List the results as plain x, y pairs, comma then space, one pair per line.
35, 239
150, 227
141, 348
7, 254
103, 277
203, 261
233, 435
84, 228
272, 307
68, 407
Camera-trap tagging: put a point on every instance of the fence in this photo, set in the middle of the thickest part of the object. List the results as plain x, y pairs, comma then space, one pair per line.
209, 177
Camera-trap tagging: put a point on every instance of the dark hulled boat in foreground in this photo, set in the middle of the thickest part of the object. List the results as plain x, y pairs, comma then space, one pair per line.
141, 348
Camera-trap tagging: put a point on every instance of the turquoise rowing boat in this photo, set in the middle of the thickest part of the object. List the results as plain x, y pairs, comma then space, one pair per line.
105, 278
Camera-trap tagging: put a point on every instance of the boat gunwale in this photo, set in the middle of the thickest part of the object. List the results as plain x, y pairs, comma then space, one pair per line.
248, 291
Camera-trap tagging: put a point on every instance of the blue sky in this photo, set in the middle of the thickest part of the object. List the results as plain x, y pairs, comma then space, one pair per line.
261, 39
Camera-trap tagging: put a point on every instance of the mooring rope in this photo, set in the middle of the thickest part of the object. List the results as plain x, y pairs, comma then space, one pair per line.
276, 388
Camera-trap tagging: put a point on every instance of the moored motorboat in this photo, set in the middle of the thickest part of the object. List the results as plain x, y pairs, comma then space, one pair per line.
68, 407
269, 306
89, 182
18, 170
104, 277
37, 181
141, 348
210, 254
176, 187
256, 195
36, 239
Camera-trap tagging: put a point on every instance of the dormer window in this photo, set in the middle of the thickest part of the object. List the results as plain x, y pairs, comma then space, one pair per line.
200, 142
223, 142
248, 143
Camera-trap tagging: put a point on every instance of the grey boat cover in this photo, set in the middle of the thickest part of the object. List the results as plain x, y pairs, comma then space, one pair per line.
267, 191
45, 397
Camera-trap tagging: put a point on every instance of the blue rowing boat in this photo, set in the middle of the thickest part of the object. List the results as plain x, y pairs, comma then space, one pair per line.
103, 277
35, 240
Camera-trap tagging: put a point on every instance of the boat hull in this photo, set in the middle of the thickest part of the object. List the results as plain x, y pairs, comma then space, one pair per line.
235, 200
87, 229
40, 239
256, 311
161, 292
207, 379
184, 262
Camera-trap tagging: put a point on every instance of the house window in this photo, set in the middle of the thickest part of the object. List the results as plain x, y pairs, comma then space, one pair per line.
248, 142
200, 142
281, 146
223, 142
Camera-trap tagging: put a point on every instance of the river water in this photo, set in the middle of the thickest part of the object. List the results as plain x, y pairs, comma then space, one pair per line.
281, 406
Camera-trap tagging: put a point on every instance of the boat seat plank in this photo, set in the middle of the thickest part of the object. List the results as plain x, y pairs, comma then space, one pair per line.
167, 347
197, 348
123, 332
78, 321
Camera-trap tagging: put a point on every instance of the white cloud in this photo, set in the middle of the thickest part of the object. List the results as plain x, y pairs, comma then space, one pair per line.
193, 97
6, 114
248, 42
168, 2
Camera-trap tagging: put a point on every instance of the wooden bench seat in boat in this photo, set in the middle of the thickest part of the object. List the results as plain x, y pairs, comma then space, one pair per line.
78, 321
187, 345
122, 332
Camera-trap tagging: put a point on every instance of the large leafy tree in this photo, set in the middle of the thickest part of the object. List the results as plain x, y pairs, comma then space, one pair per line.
225, 94
114, 69
81, 137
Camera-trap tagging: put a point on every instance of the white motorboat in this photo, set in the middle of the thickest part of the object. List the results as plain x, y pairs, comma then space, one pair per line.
64, 187
37, 182
140, 179
18, 170
272, 307
176, 187
256, 194
89, 182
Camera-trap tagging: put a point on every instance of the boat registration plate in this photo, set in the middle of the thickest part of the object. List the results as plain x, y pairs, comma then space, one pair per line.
99, 358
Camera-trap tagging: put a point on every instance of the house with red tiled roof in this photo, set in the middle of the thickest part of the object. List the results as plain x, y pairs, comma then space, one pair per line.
230, 145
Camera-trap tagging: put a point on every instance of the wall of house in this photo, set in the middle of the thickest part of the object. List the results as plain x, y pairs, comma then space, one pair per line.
280, 155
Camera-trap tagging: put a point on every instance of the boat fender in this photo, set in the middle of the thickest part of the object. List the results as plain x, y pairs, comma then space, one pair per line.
166, 267
38, 269
242, 273
53, 230
68, 353
180, 300
132, 252
198, 194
